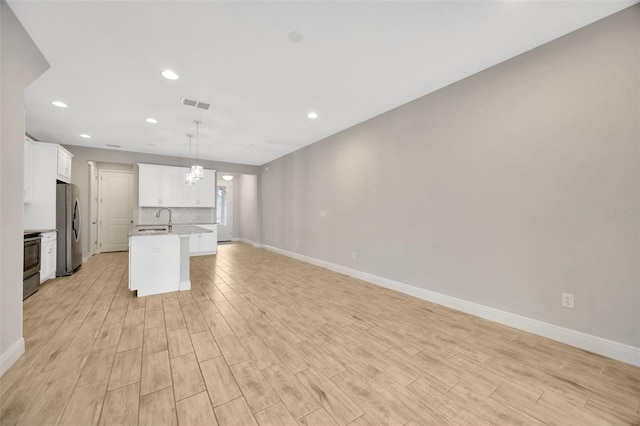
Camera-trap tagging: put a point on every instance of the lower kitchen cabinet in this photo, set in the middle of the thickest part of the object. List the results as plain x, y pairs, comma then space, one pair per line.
48, 256
154, 264
204, 243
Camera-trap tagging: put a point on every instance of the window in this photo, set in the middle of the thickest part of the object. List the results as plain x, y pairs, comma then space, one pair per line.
221, 205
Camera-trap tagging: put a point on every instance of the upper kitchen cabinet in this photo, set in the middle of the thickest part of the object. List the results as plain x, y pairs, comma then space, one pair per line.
149, 186
160, 186
40, 212
28, 170
207, 190
203, 193
64, 165
171, 182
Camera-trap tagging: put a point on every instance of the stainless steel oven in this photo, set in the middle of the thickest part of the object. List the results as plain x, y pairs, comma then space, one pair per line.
31, 264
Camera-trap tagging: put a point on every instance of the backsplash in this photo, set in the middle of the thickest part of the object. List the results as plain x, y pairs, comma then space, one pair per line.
181, 215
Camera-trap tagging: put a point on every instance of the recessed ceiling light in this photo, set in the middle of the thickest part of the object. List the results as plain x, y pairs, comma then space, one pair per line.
312, 115
152, 121
60, 104
227, 177
170, 75
86, 136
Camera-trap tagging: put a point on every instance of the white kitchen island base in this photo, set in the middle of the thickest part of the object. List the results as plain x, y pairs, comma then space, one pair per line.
159, 258
159, 264
185, 277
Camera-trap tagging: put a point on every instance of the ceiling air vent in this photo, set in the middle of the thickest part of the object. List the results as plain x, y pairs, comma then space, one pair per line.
195, 104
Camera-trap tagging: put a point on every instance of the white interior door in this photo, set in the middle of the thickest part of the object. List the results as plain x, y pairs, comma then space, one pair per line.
116, 209
93, 208
224, 210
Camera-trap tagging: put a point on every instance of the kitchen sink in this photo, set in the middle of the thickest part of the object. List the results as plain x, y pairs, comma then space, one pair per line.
152, 229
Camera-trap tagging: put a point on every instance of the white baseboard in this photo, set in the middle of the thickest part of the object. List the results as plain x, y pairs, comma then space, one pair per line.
234, 239
203, 253
250, 242
609, 348
11, 355
184, 285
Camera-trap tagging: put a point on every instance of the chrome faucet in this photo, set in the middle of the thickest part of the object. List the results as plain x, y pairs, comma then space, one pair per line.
170, 225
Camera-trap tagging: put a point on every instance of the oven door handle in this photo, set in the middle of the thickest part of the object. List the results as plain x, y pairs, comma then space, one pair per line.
39, 237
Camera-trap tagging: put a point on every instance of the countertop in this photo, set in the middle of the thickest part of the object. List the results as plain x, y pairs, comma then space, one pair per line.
177, 230
39, 231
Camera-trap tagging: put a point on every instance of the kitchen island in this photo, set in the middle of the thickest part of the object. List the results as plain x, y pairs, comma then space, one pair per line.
159, 258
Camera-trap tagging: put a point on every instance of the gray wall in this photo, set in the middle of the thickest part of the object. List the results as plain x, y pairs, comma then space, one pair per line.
247, 187
22, 63
80, 173
494, 190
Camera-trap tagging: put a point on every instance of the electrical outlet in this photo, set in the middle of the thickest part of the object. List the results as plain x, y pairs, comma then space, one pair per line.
297, 243
323, 213
567, 300
353, 255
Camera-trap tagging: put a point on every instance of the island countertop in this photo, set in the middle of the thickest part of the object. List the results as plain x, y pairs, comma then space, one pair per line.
138, 231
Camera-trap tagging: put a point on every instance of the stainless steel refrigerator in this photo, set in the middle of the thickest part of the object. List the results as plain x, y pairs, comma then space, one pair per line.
68, 225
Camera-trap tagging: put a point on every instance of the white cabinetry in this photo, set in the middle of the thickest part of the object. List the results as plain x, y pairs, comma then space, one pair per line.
28, 170
207, 190
40, 213
154, 264
159, 186
163, 186
64, 165
203, 193
149, 187
48, 256
204, 242
172, 181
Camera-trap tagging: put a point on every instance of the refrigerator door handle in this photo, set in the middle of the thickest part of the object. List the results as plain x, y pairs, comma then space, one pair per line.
75, 222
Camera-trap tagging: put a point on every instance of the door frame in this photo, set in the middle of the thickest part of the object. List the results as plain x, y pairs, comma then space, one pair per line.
93, 208
228, 184
101, 204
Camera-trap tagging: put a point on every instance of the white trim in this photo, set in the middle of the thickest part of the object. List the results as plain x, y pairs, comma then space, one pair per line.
184, 285
11, 355
203, 253
101, 206
250, 242
609, 348
229, 188
234, 239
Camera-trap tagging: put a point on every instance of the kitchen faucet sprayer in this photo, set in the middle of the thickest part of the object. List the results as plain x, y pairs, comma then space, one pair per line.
170, 225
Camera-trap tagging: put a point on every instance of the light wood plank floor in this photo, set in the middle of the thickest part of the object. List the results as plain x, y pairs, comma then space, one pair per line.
264, 339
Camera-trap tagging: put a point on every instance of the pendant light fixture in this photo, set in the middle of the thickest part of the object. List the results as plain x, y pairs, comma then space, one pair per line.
197, 170
188, 176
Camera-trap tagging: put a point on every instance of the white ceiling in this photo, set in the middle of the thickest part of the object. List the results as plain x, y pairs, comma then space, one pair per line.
357, 60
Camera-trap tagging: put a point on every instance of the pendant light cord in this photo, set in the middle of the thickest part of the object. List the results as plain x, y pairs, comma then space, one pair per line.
197, 139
